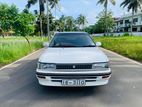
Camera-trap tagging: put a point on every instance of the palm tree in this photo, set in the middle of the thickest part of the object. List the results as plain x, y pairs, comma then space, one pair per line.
52, 3
133, 5
81, 21
105, 3
62, 23
41, 10
69, 23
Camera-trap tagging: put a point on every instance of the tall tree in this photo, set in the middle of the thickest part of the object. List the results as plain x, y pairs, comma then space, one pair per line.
133, 5
62, 23
8, 15
69, 23
81, 21
52, 3
41, 10
102, 18
105, 3
24, 25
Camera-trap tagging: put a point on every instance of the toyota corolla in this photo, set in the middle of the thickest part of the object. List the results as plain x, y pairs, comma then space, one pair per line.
73, 59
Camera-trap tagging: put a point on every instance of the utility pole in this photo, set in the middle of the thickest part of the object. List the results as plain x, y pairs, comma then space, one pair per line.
48, 29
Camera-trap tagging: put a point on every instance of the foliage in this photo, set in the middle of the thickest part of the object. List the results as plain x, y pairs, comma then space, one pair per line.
130, 46
8, 15
90, 29
105, 3
69, 23
13, 48
13, 21
81, 21
61, 23
126, 34
132, 4
99, 27
44, 23
24, 24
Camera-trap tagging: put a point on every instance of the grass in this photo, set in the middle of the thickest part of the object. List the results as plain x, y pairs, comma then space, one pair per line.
13, 48
130, 47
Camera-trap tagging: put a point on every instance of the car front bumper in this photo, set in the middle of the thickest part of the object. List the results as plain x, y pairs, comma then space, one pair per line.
92, 78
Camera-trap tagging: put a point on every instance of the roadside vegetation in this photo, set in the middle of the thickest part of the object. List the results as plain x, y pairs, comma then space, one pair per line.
130, 46
22, 32
13, 48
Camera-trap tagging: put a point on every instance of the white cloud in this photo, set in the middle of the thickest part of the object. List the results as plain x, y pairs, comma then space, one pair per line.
86, 2
91, 17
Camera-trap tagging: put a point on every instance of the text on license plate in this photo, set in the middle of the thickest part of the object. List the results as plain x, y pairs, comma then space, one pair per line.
73, 82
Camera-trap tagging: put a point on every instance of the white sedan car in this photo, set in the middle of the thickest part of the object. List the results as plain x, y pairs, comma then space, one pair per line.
72, 59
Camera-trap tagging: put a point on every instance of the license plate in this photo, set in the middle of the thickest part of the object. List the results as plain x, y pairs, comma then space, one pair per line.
73, 82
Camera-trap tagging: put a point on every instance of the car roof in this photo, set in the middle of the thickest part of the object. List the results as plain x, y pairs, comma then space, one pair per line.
71, 33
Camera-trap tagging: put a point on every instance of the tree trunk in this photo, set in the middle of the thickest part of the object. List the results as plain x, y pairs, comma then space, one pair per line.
28, 41
132, 22
3, 35
106, 30
55, 17
48, 20
41, 31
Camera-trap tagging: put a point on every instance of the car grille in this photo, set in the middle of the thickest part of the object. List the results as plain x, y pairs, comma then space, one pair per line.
74, 66
74, 77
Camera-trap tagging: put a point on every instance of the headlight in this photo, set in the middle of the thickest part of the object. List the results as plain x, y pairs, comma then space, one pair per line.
100, 65
46, 66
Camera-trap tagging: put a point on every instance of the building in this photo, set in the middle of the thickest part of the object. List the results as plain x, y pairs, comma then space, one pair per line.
123, 24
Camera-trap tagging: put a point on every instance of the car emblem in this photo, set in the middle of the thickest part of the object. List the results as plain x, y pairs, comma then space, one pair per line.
73, 66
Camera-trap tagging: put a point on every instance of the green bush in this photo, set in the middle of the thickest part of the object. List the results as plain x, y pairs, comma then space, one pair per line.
126, 34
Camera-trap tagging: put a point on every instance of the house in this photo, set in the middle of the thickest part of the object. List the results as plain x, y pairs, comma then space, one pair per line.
123, 24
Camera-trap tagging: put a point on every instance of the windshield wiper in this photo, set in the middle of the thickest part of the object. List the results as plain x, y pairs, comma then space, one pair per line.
88, 46
64, 46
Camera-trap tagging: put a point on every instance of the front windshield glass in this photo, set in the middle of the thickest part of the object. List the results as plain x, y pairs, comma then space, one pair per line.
72, 40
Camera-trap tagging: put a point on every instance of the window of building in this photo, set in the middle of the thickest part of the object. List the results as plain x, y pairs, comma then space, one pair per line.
135, 20
134, 29
121, 22
127, 21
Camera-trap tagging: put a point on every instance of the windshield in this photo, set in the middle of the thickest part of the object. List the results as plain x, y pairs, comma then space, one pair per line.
72, 40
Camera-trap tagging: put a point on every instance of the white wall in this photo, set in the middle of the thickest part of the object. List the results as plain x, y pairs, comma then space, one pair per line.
117, 34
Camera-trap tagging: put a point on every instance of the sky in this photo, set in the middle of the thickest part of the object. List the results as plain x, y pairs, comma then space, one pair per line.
89, 8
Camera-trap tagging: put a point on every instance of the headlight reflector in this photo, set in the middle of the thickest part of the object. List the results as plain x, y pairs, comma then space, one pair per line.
100, 65
46, 66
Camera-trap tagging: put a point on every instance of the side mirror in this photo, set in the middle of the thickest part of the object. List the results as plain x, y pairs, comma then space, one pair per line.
46, 44
98, 44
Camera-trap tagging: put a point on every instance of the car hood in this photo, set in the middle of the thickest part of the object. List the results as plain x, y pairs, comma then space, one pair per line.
73, 55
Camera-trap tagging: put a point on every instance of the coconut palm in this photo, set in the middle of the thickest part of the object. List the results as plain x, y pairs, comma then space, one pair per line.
41, 10
105, 3
62, 23
133, 5
69, 23
81, 21
52, 3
